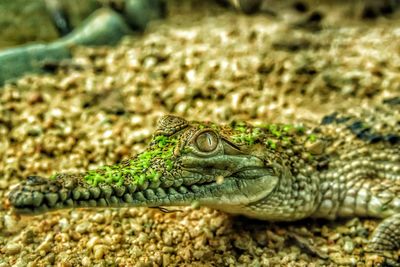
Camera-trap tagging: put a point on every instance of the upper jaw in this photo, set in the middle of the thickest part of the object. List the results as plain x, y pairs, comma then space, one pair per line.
244, 179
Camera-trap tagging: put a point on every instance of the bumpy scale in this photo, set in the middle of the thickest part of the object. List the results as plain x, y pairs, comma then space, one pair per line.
347, 166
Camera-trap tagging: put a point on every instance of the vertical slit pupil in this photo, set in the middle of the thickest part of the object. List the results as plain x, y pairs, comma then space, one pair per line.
207, 141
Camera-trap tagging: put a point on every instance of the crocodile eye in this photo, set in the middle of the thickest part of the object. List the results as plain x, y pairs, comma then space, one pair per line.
207, 141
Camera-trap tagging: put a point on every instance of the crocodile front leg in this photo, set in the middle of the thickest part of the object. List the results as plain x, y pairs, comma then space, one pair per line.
386, 236
364, 183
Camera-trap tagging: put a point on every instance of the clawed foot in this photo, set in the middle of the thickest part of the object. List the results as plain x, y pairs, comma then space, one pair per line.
385, 241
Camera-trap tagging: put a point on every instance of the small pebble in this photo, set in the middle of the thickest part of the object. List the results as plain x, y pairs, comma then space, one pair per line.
12, 248
99, 251
83, 227
348, 246
98, 218
86, 261
11, 225
64, 223
46, 245
93, 241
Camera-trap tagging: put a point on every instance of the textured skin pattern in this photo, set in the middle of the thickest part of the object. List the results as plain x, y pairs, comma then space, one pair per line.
347, 166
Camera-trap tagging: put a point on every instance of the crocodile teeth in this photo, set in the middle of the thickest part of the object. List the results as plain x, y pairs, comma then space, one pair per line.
76, 194
63, 194
172, 191
160, 192
128, 198
95, 192
182, 190
37, 199
113, 200
195, 188
24, 199
178, 182
119, 190
139, 196
101, 202
144, 186
51, 198
107, 191
150, 194
85, 194
131, 188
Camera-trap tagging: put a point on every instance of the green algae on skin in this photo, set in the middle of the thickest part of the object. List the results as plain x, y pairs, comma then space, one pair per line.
138, 169
247, 137
271, 143
278, 132
312, 138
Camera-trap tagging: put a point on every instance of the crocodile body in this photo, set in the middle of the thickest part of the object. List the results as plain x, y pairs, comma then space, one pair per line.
347, 166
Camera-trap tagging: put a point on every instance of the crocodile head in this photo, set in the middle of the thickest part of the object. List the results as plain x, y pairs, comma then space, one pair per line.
185, 163
209, 165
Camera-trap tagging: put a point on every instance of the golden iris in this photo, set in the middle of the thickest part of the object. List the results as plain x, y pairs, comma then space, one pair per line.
207, 141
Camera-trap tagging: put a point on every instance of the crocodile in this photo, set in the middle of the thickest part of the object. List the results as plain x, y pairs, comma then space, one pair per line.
348, 165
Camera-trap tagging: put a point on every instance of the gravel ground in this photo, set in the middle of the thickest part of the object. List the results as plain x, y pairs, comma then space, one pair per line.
203, 63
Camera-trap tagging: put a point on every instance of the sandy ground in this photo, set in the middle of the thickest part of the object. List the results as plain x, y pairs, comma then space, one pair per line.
203, 63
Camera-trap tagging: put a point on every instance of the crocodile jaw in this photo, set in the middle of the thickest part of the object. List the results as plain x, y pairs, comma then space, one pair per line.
197, 182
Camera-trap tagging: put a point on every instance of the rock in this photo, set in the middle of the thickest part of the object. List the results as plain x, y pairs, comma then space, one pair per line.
83, 227
103, 27
166, 259
12, 248
139, 13
11, 225
348, 246
47, 243
92, 242
86, 261
99, 251
98, 218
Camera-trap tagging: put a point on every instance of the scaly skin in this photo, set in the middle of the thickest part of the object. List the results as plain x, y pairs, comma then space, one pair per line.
347, 166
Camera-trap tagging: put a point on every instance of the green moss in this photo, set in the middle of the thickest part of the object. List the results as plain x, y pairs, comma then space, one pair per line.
281, 130
312, 138
240, 127
246, 135
271, 135
140, 168
275, 130
249, 135
271, 143
287, 128
215, 127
